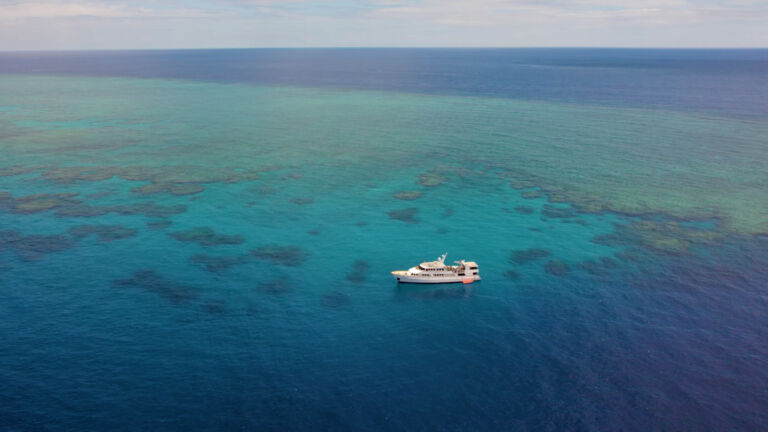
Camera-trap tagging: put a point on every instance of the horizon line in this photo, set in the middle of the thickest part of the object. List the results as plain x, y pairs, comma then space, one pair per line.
340, 47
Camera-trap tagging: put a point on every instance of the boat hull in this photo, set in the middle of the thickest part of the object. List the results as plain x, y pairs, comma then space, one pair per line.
404, 277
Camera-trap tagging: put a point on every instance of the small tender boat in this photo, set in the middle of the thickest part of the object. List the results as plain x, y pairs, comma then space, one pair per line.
437, 272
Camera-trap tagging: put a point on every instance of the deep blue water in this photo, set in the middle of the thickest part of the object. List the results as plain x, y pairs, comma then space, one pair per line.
732, 82
648, 313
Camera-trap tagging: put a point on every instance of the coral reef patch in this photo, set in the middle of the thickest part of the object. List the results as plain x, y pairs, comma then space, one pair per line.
302, 200
103, 232
532, 194
33, 247
160, 224
523, 256
511, 274
178, 189
216, 264
408, 195
275, 287
406, 215
431, 179
525, 210
359, 270
556, 268
206, 236
151, 281
335, 299
291, 256
554, 212
666, 237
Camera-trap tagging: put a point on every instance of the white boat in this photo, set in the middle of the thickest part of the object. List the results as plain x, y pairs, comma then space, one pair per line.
433, 272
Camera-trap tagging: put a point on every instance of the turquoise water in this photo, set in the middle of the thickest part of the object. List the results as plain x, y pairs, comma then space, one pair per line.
177, 254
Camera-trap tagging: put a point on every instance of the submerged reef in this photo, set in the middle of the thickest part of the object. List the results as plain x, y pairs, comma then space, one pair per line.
335, 299
532, 194
554, 212
556, 268
665, 237
169, 175
36, 203
302, 200
178, 189
523, 256
598, 267
406, 215
291, 256
431, 179
67, 205
521, 184
206, 236
103, 232
511, 274
32, 247
408, 195
275, 287
216, 264
159, 224
150, 280
359, 270
15, 170
525, 210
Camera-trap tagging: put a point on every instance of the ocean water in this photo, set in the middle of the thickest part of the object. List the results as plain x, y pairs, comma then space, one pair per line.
202, 240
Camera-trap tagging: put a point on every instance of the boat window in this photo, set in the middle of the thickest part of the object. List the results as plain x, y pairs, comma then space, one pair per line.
473, 268
474, 273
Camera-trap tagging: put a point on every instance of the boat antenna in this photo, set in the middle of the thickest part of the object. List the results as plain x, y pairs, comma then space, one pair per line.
442, 258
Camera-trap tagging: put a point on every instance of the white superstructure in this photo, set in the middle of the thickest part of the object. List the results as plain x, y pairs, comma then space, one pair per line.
438, 272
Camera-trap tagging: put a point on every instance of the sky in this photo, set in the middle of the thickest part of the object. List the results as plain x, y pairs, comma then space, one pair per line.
153, 24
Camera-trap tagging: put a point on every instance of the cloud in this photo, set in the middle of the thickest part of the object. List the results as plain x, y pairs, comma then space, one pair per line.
43, 24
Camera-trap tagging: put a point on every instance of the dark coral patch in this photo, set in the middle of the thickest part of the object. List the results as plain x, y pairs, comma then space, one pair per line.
160, 224
335, 299
302, 200
291, 256
431, 179
275, 287
659, 236
38, 203
33, 247
521, 184
103, 232
554, 212
406, 215
526, 210
149, 208
598, 267
215, 307
361, 223
216, 264
527, 255
314, 232
14, 170
408, 195
556, 267
206, 237
150, 280
179, 189
359, 270
511, 274
532, 194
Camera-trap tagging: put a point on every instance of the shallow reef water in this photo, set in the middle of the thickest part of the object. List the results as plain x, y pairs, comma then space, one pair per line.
217, 256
